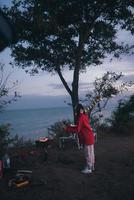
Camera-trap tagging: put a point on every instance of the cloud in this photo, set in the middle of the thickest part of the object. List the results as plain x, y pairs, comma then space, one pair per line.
57, 86
47, 85
125, 36
128, 78
34, 101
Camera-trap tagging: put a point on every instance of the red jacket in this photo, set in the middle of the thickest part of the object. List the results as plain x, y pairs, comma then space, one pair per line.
83, 129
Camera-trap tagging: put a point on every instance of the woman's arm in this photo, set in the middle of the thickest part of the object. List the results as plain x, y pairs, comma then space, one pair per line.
87, 124
71, 128
80, 124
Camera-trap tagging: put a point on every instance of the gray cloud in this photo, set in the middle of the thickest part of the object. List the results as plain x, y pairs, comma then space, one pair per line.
56, 86
82, 85
32, 101
128, 78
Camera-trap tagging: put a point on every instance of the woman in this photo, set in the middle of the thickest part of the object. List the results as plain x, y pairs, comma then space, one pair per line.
86, 138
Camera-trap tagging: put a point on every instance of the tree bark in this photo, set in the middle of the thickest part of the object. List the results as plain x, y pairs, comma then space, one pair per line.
75, 83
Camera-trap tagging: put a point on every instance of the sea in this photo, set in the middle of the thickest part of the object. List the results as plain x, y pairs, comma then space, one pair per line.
33, 123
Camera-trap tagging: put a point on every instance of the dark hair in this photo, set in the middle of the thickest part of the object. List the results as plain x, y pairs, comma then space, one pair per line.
78, 108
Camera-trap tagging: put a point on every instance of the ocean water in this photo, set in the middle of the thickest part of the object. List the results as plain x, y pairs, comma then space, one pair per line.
33, 123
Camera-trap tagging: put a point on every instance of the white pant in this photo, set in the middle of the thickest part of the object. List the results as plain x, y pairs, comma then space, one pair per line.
89, 155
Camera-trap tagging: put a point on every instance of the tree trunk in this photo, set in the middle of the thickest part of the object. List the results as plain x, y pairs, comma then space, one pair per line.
75, 95
75, 84
75, 101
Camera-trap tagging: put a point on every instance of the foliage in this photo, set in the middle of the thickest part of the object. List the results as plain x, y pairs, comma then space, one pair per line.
58, 129
123, 117
8, 141
19, 142
105, 88
95, 122
5, 138
74, 34
5, 90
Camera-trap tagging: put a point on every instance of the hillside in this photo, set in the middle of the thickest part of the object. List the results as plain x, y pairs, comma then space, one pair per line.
62, 179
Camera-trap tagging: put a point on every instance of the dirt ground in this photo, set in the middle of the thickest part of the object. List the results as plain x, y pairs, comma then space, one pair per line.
61, 177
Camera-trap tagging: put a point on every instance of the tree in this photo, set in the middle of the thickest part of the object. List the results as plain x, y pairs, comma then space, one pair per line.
6, 89
74, 34
105, 88
5, 138
122, 120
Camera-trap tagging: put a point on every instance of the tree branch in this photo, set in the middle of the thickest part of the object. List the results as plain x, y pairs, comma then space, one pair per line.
63, 81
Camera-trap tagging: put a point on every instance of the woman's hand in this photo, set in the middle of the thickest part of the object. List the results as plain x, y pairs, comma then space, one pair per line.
73, 125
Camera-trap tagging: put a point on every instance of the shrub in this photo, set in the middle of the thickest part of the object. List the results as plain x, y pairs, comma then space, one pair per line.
5, 138
123, 117
58, 129
8, 141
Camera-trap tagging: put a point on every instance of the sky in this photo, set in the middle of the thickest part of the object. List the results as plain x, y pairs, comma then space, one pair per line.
46, 90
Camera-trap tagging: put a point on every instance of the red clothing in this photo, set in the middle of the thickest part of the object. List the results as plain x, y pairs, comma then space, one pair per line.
83, 129
71, 129
85, 132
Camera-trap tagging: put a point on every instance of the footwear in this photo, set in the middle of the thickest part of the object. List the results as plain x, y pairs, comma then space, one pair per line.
86, 171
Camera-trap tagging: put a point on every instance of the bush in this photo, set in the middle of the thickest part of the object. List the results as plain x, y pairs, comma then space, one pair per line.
19, 142
5, 138
8, 141
58, 129
123, 117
